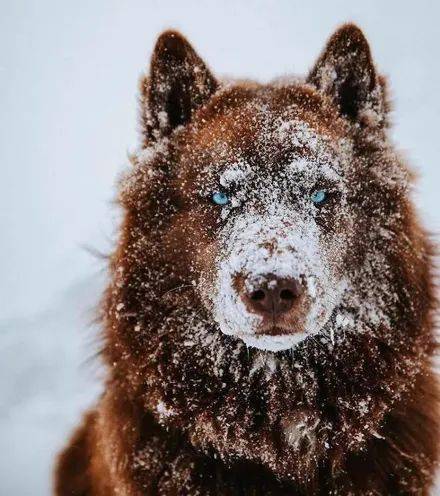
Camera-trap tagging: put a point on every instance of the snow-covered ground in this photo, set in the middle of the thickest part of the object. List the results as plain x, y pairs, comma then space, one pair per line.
68, 75
47, 376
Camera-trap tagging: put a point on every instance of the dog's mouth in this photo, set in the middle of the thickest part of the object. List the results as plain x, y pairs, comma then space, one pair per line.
275, 336
279, 330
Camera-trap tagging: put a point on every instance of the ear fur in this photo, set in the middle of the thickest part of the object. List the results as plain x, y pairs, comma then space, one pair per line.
346, 73
179, 83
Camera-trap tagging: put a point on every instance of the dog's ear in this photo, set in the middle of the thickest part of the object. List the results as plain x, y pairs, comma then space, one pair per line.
179, 82
345, 72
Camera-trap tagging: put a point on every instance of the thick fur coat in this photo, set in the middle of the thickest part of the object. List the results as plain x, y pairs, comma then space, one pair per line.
268, 327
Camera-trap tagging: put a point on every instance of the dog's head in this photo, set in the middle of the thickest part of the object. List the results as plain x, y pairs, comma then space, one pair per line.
267, 186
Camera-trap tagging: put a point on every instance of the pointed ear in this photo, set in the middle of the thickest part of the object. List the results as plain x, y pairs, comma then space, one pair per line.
179, 83
346, 73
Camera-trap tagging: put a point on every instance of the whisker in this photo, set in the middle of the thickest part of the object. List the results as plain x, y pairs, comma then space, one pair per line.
177, 288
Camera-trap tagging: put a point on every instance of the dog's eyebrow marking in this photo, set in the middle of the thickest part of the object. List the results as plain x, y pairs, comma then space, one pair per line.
315, 169
235, 173
300, 134
322, 159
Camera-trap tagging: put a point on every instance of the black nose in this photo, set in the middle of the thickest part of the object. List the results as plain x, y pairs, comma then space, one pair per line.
274, 297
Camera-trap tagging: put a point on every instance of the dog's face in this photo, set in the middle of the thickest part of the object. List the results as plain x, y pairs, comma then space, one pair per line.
267, 201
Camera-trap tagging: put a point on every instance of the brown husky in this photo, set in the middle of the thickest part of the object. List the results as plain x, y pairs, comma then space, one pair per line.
268, 326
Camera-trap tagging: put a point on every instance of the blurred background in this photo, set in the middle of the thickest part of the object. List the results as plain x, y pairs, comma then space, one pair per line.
68, 82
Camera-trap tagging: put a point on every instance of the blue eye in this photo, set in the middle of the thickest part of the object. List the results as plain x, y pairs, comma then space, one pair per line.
319, 196
220, 198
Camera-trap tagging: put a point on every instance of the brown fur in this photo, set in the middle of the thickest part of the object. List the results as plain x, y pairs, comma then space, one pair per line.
184, 418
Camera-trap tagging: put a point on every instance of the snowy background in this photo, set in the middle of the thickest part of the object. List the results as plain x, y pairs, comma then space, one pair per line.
68, 76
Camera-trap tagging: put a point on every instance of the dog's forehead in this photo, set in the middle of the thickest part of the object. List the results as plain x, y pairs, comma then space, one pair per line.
260, 135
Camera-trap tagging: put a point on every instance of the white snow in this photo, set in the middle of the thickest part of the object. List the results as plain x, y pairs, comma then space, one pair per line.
163, 410
272, 343
234, 174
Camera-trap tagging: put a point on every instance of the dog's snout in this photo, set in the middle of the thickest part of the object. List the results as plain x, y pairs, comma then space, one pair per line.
274, 297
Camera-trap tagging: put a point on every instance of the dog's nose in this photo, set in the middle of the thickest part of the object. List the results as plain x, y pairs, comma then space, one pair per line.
274, 297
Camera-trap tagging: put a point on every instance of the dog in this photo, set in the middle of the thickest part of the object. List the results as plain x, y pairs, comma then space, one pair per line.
268, 328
